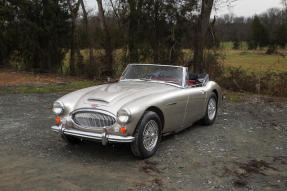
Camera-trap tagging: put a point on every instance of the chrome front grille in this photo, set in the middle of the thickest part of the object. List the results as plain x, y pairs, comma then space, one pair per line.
93, 119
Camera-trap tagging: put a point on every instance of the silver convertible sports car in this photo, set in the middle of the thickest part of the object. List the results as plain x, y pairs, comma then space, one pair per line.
148, 101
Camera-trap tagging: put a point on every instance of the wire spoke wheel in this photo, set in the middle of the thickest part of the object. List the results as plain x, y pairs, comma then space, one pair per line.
150, 135
211, 108
147, 135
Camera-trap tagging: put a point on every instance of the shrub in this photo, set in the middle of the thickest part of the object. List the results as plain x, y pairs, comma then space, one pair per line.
251, 45
236, 44
270, 83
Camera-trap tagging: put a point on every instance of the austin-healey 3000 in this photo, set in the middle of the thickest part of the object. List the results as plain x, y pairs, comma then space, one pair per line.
148, 101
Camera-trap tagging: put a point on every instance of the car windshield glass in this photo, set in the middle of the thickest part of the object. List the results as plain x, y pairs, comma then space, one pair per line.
154, 73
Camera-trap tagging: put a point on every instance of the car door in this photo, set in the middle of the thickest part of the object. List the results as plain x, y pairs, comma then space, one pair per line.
174, 109
196, 104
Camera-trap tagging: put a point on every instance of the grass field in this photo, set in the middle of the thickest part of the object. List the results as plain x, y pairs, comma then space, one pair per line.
255, 61
229, 45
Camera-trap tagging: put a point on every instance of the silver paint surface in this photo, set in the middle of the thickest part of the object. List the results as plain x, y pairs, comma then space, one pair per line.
180, 106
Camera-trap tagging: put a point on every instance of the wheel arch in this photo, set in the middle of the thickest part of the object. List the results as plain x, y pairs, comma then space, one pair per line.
158, 112
216, 93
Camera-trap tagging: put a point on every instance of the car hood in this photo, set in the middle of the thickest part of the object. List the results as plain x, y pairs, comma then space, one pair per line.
112, 97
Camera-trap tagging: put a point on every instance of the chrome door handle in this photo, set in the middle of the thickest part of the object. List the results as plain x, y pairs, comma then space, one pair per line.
173, 103
202, 91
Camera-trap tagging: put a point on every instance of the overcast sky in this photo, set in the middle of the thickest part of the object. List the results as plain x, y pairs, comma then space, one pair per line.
239, 8
249, 7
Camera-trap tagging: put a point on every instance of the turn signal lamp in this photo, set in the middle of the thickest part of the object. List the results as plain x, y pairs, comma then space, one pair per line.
123, 130
58, 121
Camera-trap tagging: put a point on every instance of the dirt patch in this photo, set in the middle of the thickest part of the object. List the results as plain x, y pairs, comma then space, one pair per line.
240, 183
22, 78
281, 159
9, 77
149, 167
254, 167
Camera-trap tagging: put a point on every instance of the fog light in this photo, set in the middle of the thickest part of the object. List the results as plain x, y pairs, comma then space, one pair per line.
58, 121
123, 130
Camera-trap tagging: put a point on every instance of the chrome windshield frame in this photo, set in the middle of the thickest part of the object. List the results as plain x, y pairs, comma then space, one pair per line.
184, 74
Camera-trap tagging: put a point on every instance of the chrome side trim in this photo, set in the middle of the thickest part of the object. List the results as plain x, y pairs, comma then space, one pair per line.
103, 137
172, 103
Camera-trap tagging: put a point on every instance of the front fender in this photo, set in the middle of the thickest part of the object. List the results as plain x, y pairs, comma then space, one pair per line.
171, 104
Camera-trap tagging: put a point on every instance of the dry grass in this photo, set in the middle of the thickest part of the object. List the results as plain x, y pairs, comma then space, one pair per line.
10, 77
250, 61
256, 61
27, 82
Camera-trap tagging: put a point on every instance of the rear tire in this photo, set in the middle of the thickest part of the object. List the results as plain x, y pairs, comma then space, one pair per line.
211, 110
147, 136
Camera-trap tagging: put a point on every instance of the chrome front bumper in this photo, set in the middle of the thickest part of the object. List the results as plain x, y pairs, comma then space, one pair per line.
103, 137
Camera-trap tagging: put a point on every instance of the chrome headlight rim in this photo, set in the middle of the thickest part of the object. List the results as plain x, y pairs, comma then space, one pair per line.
58, 105
123, 116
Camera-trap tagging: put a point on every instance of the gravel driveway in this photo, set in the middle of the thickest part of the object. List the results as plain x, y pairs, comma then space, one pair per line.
246, 149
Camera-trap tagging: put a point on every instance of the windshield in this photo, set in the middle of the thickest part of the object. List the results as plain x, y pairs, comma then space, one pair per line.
154, 73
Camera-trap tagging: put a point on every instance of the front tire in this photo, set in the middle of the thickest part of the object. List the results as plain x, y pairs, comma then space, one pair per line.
211, 110
147, 136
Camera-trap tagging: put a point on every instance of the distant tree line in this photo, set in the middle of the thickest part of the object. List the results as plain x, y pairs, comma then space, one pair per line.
34, 33
265, 30
37, 34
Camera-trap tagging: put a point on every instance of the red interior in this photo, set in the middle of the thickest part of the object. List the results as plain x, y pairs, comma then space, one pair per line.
190, 82
193, 82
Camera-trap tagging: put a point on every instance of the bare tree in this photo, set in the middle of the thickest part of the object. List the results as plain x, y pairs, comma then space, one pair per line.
107, 41
284, 3
86, 21
201, 34
74, 8
204, 27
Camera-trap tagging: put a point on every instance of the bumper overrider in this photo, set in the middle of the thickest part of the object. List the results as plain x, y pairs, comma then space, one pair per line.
104, 137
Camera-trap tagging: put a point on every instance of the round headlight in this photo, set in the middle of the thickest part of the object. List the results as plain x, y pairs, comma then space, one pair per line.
58, 108
123, 116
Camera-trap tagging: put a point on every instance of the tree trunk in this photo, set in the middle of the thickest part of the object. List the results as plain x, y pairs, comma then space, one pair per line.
155, 43
201, 34
91, 54
132, 32
107, 41
134, 21
74, 14
72, 54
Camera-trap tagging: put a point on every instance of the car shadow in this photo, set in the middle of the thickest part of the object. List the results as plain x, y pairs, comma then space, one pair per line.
195, 126
94, 151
